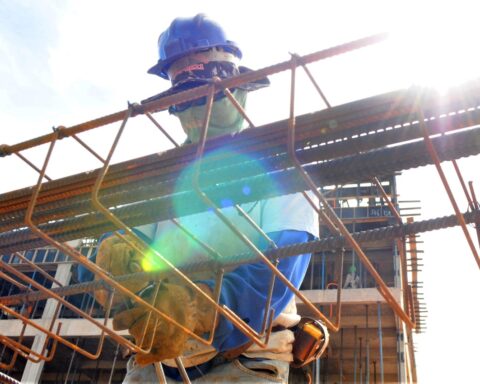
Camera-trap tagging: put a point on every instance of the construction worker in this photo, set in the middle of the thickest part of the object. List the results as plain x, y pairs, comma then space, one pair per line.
192, 52
352, 280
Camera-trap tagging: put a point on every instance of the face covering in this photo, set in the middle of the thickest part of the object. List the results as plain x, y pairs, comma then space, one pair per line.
224, 119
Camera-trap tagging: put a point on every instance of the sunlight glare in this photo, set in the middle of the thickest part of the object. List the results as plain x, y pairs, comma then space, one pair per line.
436, 45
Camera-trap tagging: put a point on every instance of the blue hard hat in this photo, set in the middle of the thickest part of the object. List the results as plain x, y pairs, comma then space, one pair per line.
189, 35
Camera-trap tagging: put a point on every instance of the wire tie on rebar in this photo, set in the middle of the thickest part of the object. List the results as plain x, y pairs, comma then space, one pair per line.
60, 131
5, 150
136, 108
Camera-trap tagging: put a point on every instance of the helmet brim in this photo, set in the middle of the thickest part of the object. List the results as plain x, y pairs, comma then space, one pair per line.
157, 69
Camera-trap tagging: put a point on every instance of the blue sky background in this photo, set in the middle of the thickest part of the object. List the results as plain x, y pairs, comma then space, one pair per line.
66, 62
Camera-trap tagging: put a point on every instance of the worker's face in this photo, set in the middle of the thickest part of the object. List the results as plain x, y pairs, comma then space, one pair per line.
224, 117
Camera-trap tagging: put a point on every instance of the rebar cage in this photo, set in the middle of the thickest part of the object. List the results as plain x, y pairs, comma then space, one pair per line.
363, 140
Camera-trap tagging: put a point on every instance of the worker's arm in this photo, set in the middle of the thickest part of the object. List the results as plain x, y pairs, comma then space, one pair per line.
245, 290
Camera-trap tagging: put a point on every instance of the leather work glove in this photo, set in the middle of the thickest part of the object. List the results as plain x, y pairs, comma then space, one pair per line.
179, 302
117, 257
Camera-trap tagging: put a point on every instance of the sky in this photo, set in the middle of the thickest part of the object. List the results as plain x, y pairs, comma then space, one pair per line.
66, 62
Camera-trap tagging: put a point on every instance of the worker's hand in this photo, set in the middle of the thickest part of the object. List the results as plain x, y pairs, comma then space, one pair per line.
180, 303
118, 258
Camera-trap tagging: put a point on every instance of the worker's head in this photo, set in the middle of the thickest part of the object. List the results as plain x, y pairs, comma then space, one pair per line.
192, 52
352, 269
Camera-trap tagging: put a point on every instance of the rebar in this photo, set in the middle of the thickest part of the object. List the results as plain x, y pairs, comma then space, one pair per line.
353, 168
388, 116
333, 242
156, 104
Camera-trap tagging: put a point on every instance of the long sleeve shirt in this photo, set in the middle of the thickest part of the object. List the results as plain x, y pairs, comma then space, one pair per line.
287, 220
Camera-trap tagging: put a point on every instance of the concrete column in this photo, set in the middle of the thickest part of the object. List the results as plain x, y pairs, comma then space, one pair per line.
33, 371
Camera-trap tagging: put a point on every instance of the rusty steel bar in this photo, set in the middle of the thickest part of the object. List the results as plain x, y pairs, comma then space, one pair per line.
88, 148
228, 313
414, 256
23, 350
144, 247
328, 243
89, 265
11, 364
50, 293
195, 93
95, 193
313, 188
476, 206
239, 108
343, 170
166, 134
30, 164
400, 247
9, 205
182, 371
219, 273
330, 213
462, 183
7, 367
19, 347
436, 160
50, 334
266, 319
312, 80
159, 372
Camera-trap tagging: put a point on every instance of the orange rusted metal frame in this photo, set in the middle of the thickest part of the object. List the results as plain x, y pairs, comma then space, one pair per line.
61, 300
338, 306
239, 108
14, 344
408, 303
165, 133
22, 350
216, 256
77, 256
267, 320
182, 371
313, 188
25, 351
16, 352
121, 225
436, 160
143, 248
462, 183
476, 205
198, 92
30, 164
216, 85
72, 252
160, 374
330, 216
200, 151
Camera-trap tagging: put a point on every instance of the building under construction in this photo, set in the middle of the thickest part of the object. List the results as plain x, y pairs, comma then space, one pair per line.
363, 282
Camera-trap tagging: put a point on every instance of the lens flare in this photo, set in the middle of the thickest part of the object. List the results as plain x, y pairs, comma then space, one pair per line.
228, 179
